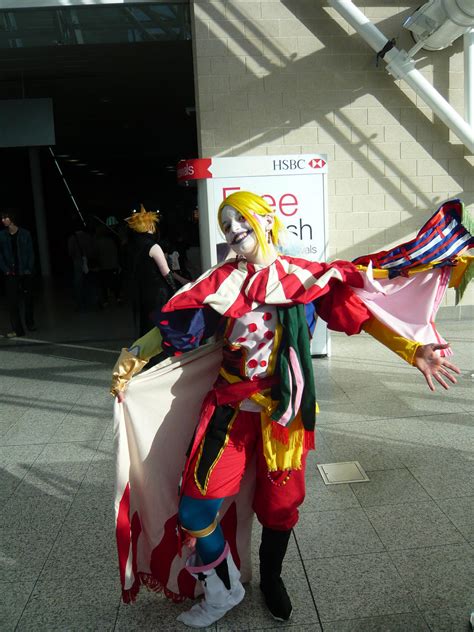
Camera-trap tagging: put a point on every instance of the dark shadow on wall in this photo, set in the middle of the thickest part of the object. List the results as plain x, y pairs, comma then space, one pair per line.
324, 96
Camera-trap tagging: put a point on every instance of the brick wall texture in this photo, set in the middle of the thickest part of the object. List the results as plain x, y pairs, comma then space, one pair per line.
292, 77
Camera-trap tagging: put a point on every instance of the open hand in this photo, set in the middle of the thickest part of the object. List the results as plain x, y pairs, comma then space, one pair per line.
432, 365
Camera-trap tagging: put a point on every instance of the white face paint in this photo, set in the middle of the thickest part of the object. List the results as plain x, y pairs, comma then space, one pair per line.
238, 233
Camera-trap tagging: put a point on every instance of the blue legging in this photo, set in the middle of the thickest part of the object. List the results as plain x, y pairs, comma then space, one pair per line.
198, 513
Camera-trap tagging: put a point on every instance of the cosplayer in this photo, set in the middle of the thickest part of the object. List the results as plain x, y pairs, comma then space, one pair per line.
153, 282
257, 420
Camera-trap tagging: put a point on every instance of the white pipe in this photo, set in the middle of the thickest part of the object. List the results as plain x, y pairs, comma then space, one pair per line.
469, 77
403, 67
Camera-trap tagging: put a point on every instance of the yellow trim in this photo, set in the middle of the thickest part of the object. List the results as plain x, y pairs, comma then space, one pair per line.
276, 347
457, 272
280, 456
213, 465
380, 273
202, 533
403, 347
259, 398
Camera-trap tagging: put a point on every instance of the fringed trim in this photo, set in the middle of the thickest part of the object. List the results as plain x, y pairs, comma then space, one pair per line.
283, 446
129, 595
466, 279
280, 433
309, 442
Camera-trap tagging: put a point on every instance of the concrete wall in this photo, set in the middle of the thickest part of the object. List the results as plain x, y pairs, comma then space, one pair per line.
290, 76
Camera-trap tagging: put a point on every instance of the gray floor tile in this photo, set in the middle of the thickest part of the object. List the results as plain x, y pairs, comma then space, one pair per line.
152, 612
71, 605
91, 509
322, 497
338, 412
100, 476
13, 598
15, 463
82, 452
33, 513
55, 479
82, 552
331, 533
461, 513
252, 613
79, 430
446, 480
24, 554
450, 620
388, 623
372, 452
358, 586
413, 525
438, 577
390, 487
29, 431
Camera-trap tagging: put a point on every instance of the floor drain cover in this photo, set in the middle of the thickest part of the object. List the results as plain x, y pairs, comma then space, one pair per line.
349, 472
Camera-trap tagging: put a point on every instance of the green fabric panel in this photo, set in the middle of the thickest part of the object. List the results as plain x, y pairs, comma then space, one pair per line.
296, 336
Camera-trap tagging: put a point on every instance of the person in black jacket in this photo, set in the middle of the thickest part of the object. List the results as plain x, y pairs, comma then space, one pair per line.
17, 261
152, 281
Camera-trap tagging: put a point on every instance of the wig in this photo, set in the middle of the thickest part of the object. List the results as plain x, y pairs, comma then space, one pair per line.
143, 221
247, 204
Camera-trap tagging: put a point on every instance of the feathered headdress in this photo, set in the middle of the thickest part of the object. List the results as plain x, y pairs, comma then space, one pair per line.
143, 221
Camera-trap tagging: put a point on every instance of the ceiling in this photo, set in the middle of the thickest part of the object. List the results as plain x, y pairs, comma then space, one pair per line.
124, 109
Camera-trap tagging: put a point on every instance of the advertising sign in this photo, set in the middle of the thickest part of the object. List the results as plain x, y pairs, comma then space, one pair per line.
295, 186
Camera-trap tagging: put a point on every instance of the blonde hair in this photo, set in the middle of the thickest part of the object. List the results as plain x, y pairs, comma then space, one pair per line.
143, 221
246, 204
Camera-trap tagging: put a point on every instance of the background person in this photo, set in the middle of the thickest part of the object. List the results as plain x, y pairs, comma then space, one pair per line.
17, 261
151, 280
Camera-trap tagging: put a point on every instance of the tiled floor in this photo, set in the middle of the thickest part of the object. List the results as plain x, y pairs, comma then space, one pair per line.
395, 554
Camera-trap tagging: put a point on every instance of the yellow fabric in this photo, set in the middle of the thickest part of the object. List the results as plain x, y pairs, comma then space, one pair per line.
278, 456
459, 269
202, 533
403, 347
125, 368
148, 345
281, 456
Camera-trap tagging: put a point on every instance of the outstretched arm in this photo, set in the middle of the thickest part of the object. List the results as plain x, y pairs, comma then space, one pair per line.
424, 357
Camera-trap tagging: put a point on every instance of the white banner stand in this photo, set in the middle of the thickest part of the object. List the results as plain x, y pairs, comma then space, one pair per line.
295, 186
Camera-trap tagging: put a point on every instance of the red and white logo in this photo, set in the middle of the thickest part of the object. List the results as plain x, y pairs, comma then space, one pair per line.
316, 163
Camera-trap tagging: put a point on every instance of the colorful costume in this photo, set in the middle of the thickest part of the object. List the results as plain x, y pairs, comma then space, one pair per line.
257, 420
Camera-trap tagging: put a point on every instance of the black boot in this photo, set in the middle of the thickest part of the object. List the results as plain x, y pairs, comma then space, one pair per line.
272, 552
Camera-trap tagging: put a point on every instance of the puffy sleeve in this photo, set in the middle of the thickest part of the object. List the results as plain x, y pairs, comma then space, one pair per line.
342, 310
183, 330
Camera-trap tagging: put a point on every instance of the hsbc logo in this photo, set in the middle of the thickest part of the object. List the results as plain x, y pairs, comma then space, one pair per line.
289, 164
316, 163
297, 164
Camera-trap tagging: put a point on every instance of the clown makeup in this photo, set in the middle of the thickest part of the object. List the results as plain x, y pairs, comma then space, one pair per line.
240, 235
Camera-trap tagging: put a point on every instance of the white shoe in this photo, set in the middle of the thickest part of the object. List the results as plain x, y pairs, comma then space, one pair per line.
219, 598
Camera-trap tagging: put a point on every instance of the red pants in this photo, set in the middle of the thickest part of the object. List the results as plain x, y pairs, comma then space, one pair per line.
277, 494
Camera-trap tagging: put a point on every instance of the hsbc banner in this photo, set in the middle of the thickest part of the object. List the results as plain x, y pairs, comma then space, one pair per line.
295, 186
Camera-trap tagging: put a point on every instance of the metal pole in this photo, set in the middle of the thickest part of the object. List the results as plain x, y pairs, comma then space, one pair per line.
401, 66
469, 77
40, 215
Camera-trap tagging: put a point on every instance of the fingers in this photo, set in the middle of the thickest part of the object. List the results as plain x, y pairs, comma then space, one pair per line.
429, 381
448, 375
452, 367
438, 347
440, 380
